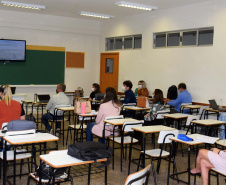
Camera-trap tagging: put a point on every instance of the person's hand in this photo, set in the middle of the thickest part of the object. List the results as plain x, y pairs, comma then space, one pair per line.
147, 114
215, 150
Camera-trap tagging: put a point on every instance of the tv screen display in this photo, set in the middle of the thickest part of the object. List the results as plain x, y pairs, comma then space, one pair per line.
12, 50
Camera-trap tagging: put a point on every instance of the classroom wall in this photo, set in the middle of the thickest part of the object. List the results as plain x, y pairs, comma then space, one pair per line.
74, 34
201, 68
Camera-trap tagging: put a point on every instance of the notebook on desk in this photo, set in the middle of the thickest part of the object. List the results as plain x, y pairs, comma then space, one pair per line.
43, 98
214, 106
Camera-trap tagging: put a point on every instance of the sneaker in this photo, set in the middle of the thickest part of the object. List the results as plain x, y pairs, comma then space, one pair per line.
57, 132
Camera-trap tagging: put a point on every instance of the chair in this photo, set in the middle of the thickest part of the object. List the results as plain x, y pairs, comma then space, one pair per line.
139, 178
126, 136
159, 153
188, 124
217, 174
182, 108
22, 153
127, 113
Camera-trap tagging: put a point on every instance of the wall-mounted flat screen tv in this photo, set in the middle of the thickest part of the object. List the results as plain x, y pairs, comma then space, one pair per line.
12, 50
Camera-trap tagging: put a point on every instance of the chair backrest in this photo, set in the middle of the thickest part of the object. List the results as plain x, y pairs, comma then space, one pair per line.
4, 126
139, 178
20, 133
165, 135
191, 118
160, 113
128, 105
59, 112
127, 126
18, 125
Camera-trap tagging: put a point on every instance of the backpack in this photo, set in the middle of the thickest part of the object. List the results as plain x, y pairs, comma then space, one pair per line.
18, 125
91, 150
30, 117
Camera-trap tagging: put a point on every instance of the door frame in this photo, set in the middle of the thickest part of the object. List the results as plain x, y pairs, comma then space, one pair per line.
114, 53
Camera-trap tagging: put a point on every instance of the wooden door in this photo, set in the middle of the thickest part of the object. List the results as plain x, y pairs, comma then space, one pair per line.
109, 67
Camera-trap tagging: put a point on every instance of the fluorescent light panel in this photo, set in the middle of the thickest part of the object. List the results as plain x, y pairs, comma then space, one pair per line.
97, 15
22, 5
135, 5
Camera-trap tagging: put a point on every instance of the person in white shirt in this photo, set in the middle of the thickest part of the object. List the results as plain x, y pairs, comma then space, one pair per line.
59, 99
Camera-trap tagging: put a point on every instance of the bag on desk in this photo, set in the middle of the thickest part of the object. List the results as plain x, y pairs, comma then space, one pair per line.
89, 151
78, 107
30, 117
18, 125
142, 102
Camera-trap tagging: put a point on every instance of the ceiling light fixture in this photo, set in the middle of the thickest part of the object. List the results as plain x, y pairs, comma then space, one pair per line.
22, 5
135, 5
97, 15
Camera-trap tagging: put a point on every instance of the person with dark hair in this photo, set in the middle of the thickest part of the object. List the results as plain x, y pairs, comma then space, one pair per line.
110, 106
184, 97
129, 95
158, 105
59, 99
142, 89
172, 93
95, 90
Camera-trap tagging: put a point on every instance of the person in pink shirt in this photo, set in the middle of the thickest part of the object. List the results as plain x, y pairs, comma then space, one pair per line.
207, 159
110, 106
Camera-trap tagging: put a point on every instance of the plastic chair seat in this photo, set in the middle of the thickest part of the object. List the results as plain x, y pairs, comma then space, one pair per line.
156, 153
126, 140
10, 155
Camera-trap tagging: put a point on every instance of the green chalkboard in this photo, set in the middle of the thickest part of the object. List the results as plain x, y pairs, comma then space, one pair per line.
40, 68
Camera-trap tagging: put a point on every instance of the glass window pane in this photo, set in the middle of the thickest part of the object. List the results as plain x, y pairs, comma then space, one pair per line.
173, 39
206, 37
118, 43
137, 41
128, 43
160, 40
110, 44
189, 38
109, 65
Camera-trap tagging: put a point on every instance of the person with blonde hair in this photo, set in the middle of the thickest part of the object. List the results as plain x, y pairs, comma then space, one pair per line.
9, 108
142, 89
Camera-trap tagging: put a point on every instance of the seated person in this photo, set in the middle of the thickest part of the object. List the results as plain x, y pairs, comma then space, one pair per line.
129, 95
222, 127
110, 106
9, 108
59, 99
95, 90
158, 105
207, 159
172, 93
184, 97
141, 90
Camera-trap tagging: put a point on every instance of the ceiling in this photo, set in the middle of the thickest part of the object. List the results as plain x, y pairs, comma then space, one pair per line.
70, 8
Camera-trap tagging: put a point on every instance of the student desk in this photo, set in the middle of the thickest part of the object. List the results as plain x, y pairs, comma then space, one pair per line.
208, 123
211, 110
26, 103
191, 107
136, 109
60, 159
87, 116
221, 142
26, 140
38, 104
84, 98
115, 123
190, 144
150, 130
177, 116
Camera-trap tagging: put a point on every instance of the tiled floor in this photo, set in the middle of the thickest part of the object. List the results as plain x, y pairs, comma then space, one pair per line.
116, 177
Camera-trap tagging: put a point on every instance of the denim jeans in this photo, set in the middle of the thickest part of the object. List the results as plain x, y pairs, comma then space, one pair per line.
48, 116
89, 134
222, 127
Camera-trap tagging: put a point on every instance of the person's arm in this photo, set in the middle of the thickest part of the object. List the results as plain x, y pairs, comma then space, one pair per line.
100, 114
146, 93
50, 104
22, 116
175, 102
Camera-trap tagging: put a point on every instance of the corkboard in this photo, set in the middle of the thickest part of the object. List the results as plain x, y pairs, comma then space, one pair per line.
75, 59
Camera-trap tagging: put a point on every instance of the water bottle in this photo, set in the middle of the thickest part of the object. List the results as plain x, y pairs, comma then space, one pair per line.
35, 97
83, 108
221, 104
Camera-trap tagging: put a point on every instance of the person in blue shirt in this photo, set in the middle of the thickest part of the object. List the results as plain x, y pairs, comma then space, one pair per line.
129, 95
184, 97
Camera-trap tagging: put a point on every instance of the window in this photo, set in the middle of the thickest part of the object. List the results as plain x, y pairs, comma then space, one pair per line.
109, 65
192, 37
124, 42
173, 39
160, 40
189, 38
205, 37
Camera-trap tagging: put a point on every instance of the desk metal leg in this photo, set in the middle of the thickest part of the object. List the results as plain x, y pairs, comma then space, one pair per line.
89, 174
144, 148
106, 175
4, 163
189, 164
14, 165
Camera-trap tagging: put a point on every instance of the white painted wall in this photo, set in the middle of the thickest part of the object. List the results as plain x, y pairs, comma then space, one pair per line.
201, 68
45, 30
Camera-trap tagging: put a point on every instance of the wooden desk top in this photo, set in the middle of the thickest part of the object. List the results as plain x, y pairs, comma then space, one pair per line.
136, 108
60, 159
39, 103
27, 101
28, 139
19, 94
208, 122
211, 110
92, 114
222, 142
66, 109
69, 92
120, 121
97, 101
85, 97
192, 106
193, 136
153, 129
176, 116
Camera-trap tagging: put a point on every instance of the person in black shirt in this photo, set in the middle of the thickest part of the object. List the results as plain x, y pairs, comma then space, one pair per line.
95, 90
129, 95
